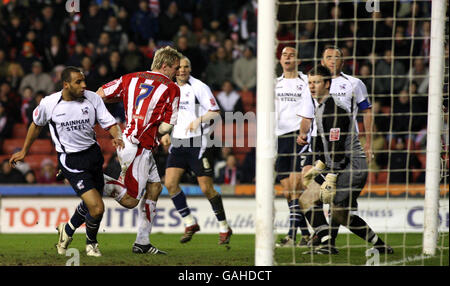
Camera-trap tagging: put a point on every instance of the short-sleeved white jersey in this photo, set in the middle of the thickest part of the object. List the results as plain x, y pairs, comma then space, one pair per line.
72, 122
289, 96
350, 92
196, 99
308, 110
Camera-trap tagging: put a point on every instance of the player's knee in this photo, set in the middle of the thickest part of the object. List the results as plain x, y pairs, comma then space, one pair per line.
97, 210
171, 187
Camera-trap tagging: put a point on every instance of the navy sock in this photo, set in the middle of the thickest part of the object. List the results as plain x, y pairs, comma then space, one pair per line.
179, 200
77, 219
92, 226
217, 207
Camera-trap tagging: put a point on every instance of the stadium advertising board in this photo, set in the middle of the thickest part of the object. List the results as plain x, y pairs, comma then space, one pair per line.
42, 215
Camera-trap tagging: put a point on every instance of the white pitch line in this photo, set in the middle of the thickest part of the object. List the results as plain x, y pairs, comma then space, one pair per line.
407, 259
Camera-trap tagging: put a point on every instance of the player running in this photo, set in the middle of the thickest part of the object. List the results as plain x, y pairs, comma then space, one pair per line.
188, 151
151, 101
72, 114
340, 161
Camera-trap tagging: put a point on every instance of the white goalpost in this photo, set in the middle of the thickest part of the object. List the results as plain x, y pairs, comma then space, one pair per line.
435, 95
382, 42
265, 134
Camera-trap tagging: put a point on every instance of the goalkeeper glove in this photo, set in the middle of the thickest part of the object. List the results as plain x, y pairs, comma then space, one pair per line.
313, 172
328, 189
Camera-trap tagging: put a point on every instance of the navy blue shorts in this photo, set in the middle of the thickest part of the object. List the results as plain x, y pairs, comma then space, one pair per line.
84, 170
189, 159
289, 160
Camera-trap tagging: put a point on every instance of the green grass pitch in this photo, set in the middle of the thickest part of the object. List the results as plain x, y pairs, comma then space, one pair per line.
38, 249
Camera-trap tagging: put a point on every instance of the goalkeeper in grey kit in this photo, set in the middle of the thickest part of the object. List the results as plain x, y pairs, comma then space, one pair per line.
340, 169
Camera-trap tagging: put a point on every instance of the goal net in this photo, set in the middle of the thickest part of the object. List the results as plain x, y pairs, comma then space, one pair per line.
387, 45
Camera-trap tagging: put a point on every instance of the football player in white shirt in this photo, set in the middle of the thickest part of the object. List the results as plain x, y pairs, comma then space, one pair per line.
351, 92
291, 91
188, 151
72, 114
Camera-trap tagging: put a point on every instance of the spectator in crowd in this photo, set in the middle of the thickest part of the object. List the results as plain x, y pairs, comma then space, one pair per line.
379, 145
3, 65
419, 74
221, 161
401, 163
228, 99
248, 21
114, 65
15, 75
365, 72
12, 102
47, 173
27, 57
144, 24
55, 54
100, 76
30, 177
169, 24
184, 31
230, 173
194, 54
116, 34
93, 23
86, 67
16, 31
249, 166
389, 81
402, 113
102, 49
132, 58
56, 77
77, 56
51, 20
219, 69
244, 71
5, 125
37, 80
27, 97
232, 48
9, 175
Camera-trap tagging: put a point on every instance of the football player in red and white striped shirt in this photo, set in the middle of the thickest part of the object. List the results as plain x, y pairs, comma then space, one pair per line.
151, 101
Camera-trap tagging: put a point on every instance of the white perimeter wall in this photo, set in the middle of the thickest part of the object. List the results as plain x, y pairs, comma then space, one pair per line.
41, 215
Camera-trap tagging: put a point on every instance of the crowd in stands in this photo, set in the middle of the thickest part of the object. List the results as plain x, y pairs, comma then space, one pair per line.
109, 38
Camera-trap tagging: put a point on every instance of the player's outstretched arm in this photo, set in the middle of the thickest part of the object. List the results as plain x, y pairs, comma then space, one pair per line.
207, 117
32, 134
116, 133
305, 126
105, 99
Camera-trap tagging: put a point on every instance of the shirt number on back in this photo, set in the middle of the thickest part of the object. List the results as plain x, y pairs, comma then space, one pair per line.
146, 89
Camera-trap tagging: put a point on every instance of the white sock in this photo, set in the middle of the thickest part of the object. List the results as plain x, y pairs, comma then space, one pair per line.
113, 188
144, 225
189, 220
223, 226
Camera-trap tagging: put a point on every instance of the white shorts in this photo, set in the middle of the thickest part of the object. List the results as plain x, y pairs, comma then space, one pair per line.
138, 168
